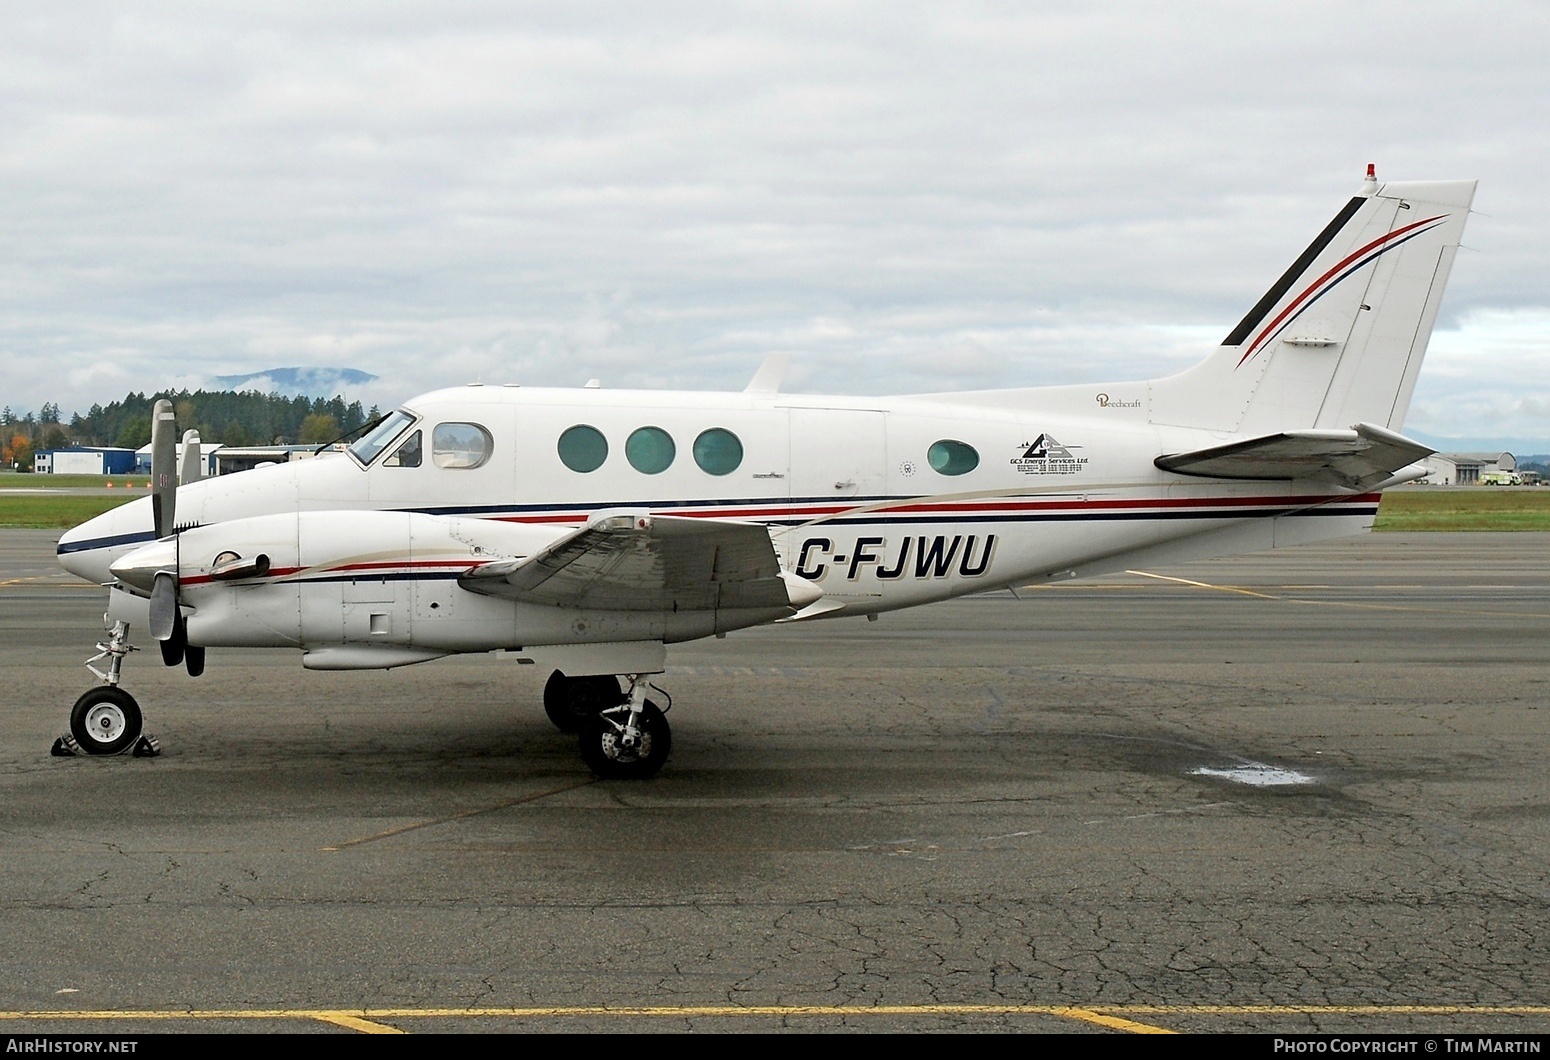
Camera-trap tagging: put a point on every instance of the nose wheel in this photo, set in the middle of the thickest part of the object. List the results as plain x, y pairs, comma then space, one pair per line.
106, 721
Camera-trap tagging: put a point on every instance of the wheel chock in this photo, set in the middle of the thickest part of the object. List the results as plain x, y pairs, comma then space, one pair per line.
146, 746
65, 747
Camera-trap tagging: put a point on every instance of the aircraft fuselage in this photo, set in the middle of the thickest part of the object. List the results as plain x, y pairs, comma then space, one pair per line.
879, 503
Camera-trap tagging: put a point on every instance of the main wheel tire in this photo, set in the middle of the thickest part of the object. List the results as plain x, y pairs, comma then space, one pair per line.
105, 721
600, 749
570, 701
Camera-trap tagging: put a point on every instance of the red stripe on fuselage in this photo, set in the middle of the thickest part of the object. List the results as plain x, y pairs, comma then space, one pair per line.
910, 506
1208, 507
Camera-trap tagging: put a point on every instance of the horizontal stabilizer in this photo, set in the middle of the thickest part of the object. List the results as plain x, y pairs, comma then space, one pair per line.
635, 561
1356, 459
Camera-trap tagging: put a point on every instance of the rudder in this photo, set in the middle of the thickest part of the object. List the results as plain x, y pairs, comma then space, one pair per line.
1340, 337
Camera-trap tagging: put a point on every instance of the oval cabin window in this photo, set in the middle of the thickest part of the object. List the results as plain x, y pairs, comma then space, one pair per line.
460, 445
948, 457
650, 450
583, 448
717, 451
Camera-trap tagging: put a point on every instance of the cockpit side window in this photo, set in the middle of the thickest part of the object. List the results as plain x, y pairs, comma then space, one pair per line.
406, 455
369, 447
460, 445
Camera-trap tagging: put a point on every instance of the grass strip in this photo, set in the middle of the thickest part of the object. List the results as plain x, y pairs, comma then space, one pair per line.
64, 482
45, 511
1471, 508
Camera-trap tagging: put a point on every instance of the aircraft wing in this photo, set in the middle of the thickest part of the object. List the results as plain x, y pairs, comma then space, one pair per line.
1357, 459
636, 561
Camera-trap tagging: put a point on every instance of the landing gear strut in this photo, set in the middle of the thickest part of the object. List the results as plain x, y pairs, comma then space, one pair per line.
107, 720
629, 741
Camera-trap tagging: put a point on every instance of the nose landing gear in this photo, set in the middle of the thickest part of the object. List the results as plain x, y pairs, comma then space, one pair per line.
107, 720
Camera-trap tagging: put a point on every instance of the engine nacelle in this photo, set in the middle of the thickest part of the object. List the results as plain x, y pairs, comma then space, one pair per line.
362, 590
338, 579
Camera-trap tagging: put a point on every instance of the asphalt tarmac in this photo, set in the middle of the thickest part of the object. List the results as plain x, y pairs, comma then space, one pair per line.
1303, 791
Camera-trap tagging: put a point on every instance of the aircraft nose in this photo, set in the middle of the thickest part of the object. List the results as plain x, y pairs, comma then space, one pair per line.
87, 550
80, 560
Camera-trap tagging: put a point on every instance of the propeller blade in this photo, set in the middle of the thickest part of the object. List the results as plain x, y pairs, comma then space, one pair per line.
194, 660
175, 648
164, 477
193, 468
172, 651
164, 606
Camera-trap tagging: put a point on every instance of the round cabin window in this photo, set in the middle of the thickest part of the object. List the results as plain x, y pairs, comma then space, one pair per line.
583, 448
650, 450
717, 451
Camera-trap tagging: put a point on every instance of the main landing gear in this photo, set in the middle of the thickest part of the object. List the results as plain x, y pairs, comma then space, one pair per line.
107, 720
622, 735
570, 701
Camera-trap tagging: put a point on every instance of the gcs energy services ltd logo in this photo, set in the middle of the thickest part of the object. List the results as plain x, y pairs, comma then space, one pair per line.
1045, 456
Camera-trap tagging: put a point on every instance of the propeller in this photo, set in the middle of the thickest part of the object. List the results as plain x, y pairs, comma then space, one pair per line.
193, 468
164, 458
166, 618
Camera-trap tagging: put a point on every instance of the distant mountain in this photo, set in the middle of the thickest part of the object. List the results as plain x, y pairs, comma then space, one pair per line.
303, 381
1516, 446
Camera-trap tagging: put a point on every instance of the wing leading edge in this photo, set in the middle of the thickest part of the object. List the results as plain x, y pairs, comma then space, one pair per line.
636, 561
1357, 459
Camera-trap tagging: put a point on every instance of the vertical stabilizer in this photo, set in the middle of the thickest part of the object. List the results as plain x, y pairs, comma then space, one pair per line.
1339, 338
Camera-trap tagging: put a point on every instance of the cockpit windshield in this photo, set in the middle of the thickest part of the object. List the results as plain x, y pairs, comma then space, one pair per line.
368, 448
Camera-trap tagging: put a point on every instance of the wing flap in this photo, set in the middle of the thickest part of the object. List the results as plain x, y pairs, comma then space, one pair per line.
636, 561
1356, 459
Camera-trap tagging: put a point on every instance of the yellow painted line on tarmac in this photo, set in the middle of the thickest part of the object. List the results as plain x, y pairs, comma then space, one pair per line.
1087, 1015
1349, 604
1202, 585
366, 1020
391, 832
355, 1023
1114, 1017
58, 581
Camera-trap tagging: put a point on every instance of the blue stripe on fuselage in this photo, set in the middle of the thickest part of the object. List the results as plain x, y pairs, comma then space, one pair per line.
875, 518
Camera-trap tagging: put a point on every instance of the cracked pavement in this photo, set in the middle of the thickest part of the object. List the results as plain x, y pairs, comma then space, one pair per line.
985, 802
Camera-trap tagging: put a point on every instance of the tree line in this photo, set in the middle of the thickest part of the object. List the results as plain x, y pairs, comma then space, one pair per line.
248, 417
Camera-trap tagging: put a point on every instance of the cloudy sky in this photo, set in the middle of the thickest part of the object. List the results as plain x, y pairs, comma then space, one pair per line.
903, 197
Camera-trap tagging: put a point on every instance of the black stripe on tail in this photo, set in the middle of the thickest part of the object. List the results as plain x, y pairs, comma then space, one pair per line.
1274, 295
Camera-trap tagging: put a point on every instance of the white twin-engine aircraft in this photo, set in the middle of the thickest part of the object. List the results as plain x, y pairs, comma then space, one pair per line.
588, 529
